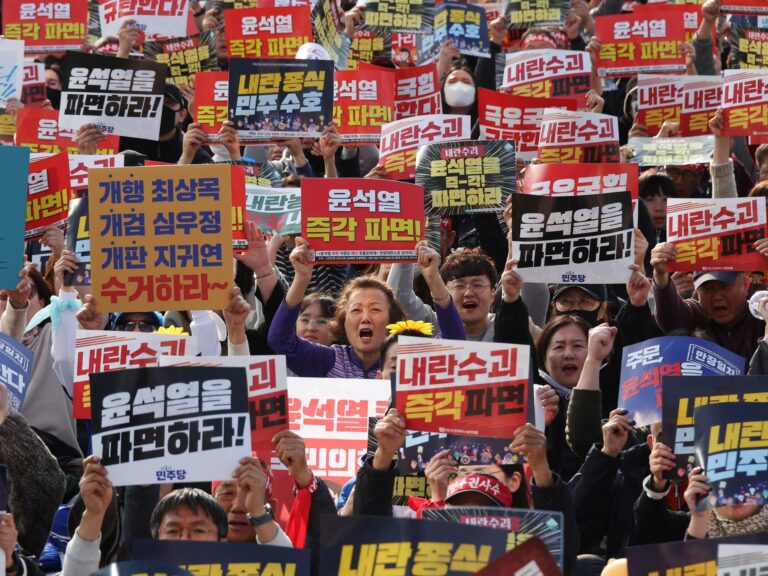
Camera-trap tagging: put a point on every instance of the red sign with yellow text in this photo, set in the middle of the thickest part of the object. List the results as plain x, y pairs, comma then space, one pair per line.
363, 102
267, 32
39, 130
210, 106
48, 195
46, 25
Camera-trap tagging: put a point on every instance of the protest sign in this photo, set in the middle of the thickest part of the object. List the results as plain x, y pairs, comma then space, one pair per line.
701, 97
368, 47
659, 100
327, 26
364, 101
517, 118
15, 370
671, 151
737, 559
405, 50
399, 15
733, 450
11, 69
350, 220
213, 558
266, 378
39, 131
153, 425
48, 194
690, 10
33, 87
155, 18
260, 174
170, 249
745, 102
577, 239
578, 179
535, 13
466, 177
14, 165
79, 240
417, 92
749, 47
274, 210
463, 24
634, 43
274, 98
210, 105
142, 568
359, 545
46, 26
532, 555
716, 233
267, 32
548, 74
643, 365
79, 164
99, 351
751, 7
401, 139
121, 96
690, 556
466, 388
519, 523
680, 396
570, 137
185, 57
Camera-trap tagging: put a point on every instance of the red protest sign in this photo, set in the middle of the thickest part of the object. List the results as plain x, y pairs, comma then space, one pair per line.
352, 220
48, 195
518, 118
417, 90
363, 102
659, 100
33, 88
39, 130
578, 179
267, 32
46, 26
700, 98
572, 137
634, 43
239, 238
210, 106
716, 234
745, 102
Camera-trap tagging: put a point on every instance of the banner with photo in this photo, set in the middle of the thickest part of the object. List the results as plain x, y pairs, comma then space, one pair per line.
463, 24
274, 210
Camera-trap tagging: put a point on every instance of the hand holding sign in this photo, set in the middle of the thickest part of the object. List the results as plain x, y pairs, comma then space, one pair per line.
615, 432
697, 489
291, 449
511, 282
438, 471
638, 287
390, 433
96, 494
532, 443
661, 255
661, 460
65, 269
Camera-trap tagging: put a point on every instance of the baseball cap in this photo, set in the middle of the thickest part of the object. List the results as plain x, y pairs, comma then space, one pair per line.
151, 316
490, 486
596, 291
701, 278
175, 94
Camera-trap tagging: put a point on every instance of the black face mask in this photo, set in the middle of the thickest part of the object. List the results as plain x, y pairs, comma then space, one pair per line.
167, 121
54, 96
590, 317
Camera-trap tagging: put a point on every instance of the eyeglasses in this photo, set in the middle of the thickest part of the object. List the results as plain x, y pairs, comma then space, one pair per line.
575, 303
131, 327
318, 323
194, 533
474, 287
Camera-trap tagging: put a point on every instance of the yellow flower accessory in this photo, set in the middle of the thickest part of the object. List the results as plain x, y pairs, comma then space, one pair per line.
172, 330
424, 327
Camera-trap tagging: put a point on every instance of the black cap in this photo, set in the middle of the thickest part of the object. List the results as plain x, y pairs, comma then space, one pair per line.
175, 94
596, 291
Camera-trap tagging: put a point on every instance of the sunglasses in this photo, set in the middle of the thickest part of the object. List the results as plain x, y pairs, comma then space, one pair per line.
131, 327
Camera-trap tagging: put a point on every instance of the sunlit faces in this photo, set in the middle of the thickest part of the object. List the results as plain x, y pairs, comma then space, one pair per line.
723, 303
473, 296
366, 319
566, 354
313, 326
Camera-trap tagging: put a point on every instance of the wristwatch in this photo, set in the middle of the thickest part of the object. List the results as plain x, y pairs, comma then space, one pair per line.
257, 521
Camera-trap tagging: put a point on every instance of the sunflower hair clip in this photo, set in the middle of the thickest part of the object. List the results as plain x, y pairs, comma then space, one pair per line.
410, 325
172, 330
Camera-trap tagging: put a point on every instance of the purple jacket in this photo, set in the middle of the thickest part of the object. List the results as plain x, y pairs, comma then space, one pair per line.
339, 360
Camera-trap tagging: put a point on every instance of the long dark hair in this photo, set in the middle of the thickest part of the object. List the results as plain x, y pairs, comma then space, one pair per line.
551, 328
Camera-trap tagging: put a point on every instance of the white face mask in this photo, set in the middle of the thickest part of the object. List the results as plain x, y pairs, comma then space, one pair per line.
458, 94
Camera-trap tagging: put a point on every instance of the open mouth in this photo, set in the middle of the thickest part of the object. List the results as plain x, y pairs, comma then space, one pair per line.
470, 305
366, 335
570, 369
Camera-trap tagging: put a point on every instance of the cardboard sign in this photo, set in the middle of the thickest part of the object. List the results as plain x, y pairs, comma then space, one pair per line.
15, 370
681, 396
153, 425
401, 139
671, 151
267, 32
466, 177
645, 364
121, 96
45, 26
399, 15
570, 137
39, 131
350, 220
577, 179
48, 194
210, 105
364, 101
518, 118
640, 43
276, 98
274, 210
185, 57
548, 74
525, 14
716, 234
14, 165
417, 92
266, 378
745, 102
162, 237
467, 388
155, 18
579, 239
